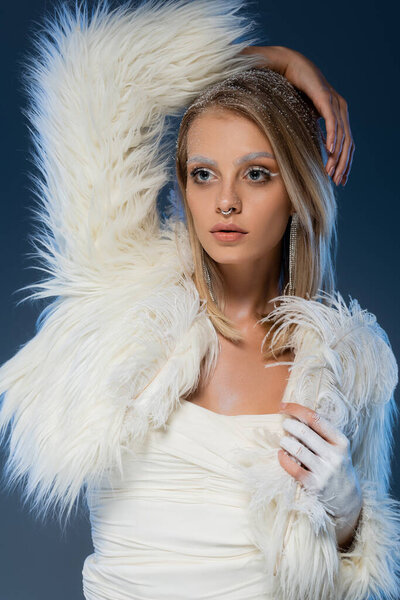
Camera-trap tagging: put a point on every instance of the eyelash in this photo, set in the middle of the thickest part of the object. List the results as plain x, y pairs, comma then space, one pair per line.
268, 173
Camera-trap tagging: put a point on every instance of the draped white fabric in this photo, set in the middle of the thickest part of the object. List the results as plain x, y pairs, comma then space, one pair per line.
175, 526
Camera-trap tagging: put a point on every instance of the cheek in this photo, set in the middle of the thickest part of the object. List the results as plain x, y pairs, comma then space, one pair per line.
193, 200
202, 213
270, 216
196, 206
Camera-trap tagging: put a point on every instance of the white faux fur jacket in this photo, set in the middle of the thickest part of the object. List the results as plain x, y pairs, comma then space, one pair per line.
124, 335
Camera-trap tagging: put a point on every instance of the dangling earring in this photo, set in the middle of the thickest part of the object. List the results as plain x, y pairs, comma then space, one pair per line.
292, 251
208, 279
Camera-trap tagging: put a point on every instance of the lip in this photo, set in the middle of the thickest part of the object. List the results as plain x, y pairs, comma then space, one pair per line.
224, 226
228, 236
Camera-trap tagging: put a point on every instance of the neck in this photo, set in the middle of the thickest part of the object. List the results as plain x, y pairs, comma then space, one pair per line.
249, 287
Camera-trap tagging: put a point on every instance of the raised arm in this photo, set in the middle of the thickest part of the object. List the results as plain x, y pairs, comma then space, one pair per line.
99, 89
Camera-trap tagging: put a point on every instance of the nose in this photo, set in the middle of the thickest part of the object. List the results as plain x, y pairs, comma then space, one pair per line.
228, 199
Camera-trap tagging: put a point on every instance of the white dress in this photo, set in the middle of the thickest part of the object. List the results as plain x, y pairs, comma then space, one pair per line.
176, 525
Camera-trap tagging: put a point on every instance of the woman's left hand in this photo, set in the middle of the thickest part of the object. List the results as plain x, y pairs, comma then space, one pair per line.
306, 76
324, 452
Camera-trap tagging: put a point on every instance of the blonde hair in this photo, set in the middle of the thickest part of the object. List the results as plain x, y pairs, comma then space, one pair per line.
289, 120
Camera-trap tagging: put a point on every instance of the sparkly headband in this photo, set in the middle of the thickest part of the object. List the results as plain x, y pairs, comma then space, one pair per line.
296, 100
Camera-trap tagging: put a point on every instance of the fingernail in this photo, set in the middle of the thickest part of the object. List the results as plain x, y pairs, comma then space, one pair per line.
331, 149
331, 172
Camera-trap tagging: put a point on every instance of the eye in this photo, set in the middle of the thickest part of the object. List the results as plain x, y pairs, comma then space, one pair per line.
258, 171
196, 172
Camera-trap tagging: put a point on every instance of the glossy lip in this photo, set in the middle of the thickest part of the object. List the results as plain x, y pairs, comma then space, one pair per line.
225, 226
228, 236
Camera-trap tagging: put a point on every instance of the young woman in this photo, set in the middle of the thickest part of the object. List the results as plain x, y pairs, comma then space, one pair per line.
145, 386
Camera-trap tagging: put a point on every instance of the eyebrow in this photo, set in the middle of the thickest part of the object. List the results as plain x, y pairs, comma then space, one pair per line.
238, 161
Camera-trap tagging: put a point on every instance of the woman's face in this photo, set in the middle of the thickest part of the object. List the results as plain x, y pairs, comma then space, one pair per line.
219, 175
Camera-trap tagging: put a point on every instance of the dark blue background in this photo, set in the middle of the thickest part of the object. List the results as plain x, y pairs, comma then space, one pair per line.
355, 47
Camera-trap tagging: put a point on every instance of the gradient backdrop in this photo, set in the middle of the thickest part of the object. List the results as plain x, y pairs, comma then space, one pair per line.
354, 46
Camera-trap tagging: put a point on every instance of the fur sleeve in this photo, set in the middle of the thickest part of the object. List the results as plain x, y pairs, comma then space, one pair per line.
100, 88
346, 370
367, 377
371, 567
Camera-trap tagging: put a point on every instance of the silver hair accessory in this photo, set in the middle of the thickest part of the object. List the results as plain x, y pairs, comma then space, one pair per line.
292, 251
208, 280
292, 100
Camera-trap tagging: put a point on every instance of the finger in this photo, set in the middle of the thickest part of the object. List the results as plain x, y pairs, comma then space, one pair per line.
308, 437
342, 163
299, 451
347, 171
345, 152
340, 134
292, 466
323, 103
316, 421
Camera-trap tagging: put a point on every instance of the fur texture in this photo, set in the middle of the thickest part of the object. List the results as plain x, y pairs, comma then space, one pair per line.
346, 371
125, 332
